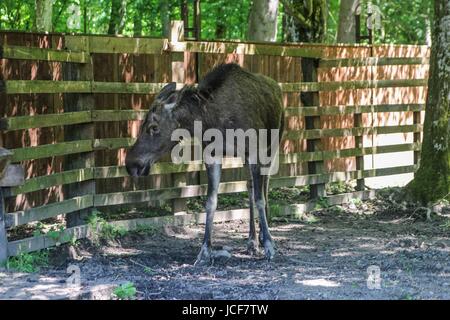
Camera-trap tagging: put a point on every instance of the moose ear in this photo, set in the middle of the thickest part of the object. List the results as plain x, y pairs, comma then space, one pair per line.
170, 102
166, 91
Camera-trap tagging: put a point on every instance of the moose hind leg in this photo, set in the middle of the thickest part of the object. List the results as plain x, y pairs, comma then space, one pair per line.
252, 244
265, 188
213, 172
258, 190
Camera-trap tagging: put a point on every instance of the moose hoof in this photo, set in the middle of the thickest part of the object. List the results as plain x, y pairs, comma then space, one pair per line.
204, 257
269, 250
252, 247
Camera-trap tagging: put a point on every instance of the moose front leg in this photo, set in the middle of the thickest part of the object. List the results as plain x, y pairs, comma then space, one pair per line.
260, 201
213, 172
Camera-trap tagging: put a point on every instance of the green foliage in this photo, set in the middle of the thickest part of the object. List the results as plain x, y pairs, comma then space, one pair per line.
403, 21
54, 233
147, 229
274, 211
104, 230
28, 262
322, 203
126, 291
338, 187
225, 19
356, 201
285, 195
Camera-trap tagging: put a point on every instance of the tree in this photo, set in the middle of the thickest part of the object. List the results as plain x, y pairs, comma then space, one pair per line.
44, 10
305, 21
432, 179
165, 17
263, 20
137, 17
346, 29
117, 18
221, 26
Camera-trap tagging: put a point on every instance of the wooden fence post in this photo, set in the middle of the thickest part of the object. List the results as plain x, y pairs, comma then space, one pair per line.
3, 236
309, 73
10, 176
79, 102
178, 76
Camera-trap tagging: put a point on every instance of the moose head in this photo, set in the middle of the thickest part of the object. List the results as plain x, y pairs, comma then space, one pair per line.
154, 139
171, 110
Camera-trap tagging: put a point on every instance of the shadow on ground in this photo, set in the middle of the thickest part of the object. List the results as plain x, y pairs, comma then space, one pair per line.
325, 259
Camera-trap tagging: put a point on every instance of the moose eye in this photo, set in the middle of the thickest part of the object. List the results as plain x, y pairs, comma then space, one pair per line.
153, 129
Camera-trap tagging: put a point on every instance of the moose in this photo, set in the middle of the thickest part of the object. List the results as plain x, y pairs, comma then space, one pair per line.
228, 97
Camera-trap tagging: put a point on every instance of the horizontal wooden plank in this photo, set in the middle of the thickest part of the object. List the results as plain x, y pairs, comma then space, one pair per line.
346, 132
130, 115
52, 150
297, 210
231, 163
345, 153
68, 118
371, 61
300, 86
44, 120
341, 110
240, 186
13, 176
46, 86
164, 193
18, 218
106, 44
118, 115
122, 87
350, 85
113, 143
42, 242
338, 176
43, 54
307, 51
56, 179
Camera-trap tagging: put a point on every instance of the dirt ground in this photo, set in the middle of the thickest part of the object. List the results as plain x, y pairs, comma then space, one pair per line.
325, 257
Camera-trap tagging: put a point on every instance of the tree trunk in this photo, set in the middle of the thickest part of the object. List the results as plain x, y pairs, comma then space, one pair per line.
263, 21
117, 18
221, 26
305, 21
346, 29
431, 182
137, 18
165, 18
44, 10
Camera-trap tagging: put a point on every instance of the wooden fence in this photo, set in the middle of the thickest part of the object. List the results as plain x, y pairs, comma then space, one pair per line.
71, 105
